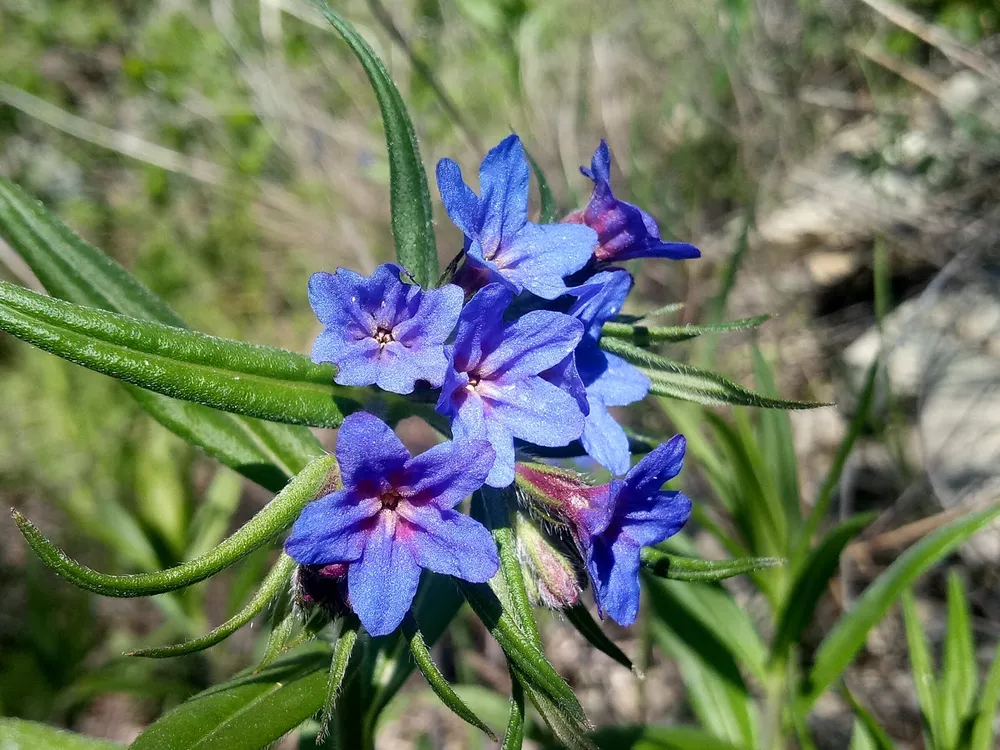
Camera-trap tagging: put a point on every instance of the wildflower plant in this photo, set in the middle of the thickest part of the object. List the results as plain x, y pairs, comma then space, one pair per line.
515, 355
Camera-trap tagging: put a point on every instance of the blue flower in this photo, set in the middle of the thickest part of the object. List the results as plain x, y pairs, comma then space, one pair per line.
624, 231
501, 244
608, 380
493, 388
393, 516
381, 331
640, 515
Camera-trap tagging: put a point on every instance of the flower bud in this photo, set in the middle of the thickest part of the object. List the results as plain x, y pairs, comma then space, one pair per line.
554, 574
321, 586
564, 499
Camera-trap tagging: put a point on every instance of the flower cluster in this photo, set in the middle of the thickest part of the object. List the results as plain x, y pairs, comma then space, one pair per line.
509, 352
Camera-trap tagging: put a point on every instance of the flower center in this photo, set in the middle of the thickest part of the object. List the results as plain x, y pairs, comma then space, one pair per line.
390, 500
383, 336
474, 380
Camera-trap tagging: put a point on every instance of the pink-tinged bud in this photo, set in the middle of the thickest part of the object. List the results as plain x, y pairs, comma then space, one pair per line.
564, 498
322, 586
553, 570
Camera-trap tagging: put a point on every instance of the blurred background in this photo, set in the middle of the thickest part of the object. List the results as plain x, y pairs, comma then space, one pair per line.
224, 150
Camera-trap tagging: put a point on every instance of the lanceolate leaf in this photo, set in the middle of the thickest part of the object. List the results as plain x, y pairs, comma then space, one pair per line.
73, 270
548, 201
848, 635
342, 651
680, 568
982, 728
250, 711
641, 335
275, 517
678, 380
249, 379
811, 581
581, 619
436, 680
18, 734
922, 669
270, 587
959, 672
412, 221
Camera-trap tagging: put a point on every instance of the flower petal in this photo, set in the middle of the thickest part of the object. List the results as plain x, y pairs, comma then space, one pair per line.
655, 519
401, 368
599, 299
359, 363
657, 467
368, 452
433, 320
532, 344
463, 206
450, 543
332, 529
614, 571
604, 439
539, 256
503, 183
618, 383
535, 411
336, 306
480, 326
383, 582
447, 473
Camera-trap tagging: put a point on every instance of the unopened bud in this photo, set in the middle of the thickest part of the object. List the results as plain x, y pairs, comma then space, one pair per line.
564, 499
322, 586
554, 573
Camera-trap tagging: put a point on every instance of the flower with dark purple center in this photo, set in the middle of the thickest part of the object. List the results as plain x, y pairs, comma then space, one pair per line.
393, 516
624, 231
501, 244
380, 331
608, 380
493, 389
639, 514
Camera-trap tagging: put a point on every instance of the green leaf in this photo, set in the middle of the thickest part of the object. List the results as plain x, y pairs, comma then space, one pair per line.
707, 618
959, 673
342, 651
777, 445
874, 732
982, 729
678, 380
811, 582
922, 669
527, 660
822, 504
641, 737
410, 199
18, 734
568, 730
548, 201
274, 518
581, 619
513, 735
275, 582
722, 705
848, 635
250, 379
680, 568
641, 335
250, 711
73, 270
436, 680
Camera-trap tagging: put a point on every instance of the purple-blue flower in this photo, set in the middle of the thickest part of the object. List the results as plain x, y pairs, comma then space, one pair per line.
501, 244
493, 387
639, 515
380, 331
393, 516
608, 380
624, 231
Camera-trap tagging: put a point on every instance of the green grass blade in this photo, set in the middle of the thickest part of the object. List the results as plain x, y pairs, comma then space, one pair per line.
249, 379
811, 582
989, 702
642, 737
777, 445
276, 516
959, 676
18, 734
874, 732
409, 196
922, 670
848, 635
273, 584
